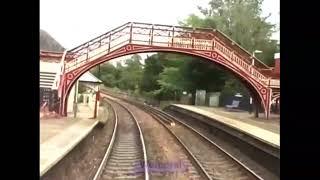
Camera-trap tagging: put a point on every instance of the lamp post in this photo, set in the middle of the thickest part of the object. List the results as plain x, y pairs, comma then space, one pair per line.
253, 54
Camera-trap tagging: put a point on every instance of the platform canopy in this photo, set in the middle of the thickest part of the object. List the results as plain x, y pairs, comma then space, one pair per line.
88, 77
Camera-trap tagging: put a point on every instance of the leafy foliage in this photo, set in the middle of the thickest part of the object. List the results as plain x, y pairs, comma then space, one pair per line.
241, 20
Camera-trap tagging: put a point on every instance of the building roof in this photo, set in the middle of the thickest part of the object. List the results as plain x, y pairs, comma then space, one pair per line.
88, 77
53, 56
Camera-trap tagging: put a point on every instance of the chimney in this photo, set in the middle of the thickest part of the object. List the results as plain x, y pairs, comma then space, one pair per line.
277, 63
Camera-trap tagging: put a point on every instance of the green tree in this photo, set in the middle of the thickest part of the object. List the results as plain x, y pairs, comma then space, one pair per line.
241, 20
166, 75
152, 68
131, 74
108, 74
170, 82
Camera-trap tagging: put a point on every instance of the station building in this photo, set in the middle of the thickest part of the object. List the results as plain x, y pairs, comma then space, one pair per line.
49, 68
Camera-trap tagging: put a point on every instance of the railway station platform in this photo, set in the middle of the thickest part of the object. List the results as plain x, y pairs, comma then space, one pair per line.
59, 136
266, 131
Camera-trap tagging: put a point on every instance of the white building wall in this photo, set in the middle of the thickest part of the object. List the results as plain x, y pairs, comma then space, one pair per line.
91, 96
52, 67
48, 74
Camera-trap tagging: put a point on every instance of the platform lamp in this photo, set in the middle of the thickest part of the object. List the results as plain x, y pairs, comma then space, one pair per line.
253, 54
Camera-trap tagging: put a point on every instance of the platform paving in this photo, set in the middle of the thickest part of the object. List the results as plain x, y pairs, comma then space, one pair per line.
60, 136
267, 131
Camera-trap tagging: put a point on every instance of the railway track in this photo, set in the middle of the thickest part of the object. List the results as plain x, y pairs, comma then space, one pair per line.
262, 163
125, 157
193, 168
215, 161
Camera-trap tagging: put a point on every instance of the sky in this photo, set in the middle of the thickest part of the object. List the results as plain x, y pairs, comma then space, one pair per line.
73, 22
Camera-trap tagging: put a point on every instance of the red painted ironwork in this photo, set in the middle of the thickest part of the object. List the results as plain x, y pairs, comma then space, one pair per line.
135, 37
